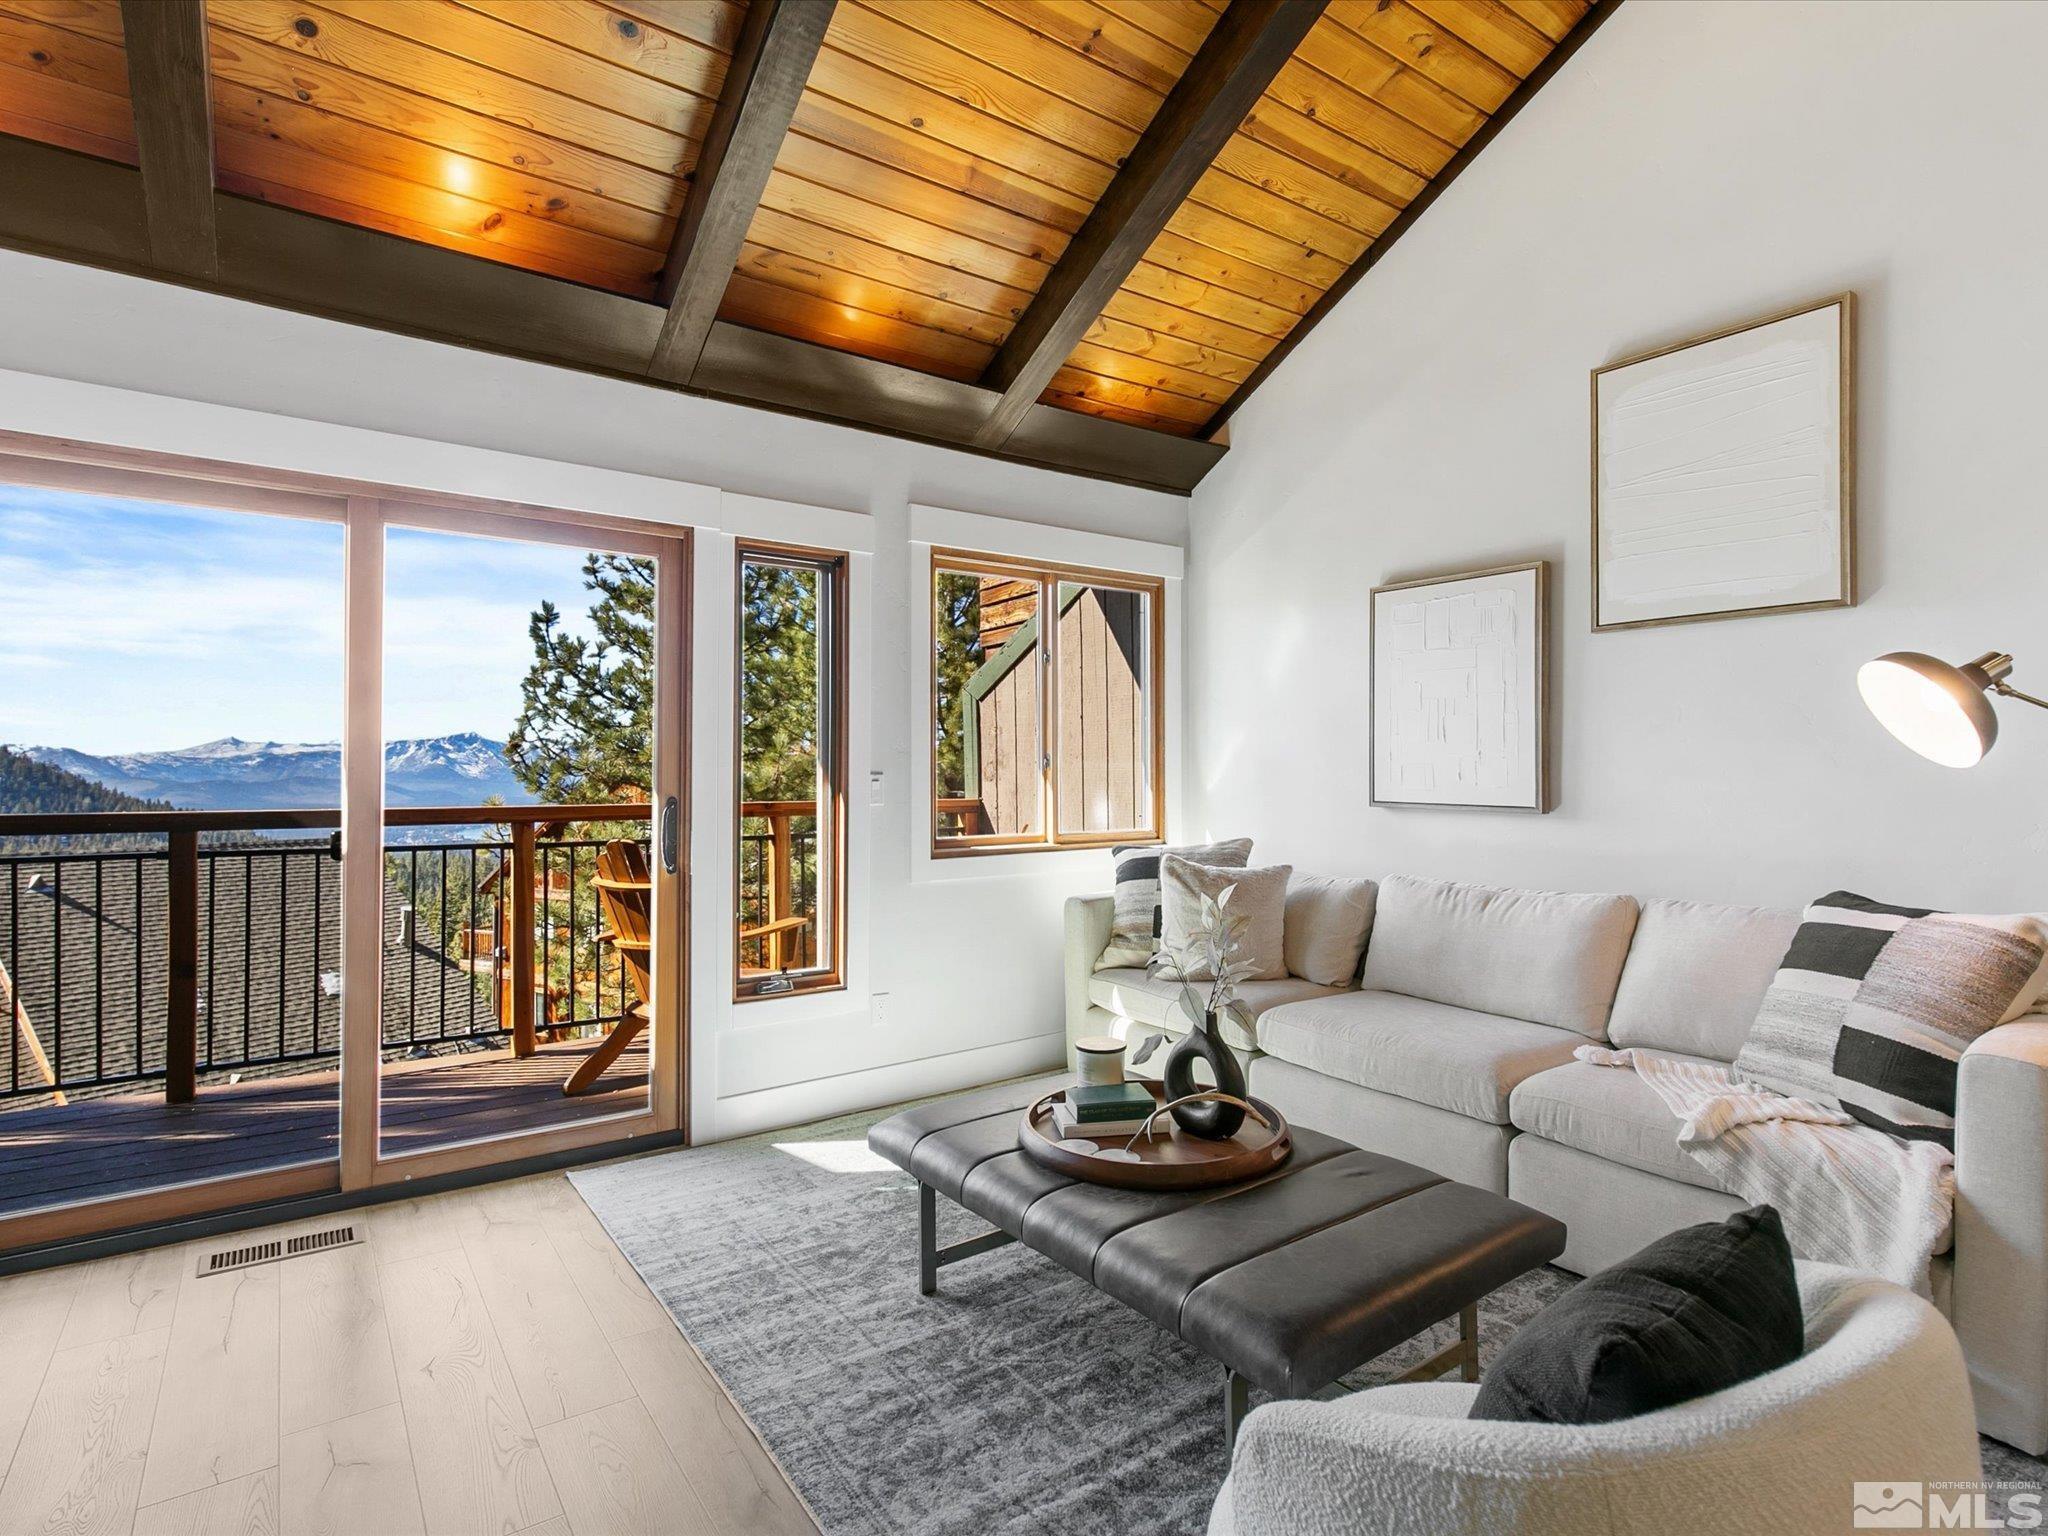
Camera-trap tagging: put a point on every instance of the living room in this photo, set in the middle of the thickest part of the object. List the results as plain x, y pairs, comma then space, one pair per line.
1165, 765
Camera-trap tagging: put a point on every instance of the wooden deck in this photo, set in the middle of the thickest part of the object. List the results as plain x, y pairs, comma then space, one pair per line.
93, 1148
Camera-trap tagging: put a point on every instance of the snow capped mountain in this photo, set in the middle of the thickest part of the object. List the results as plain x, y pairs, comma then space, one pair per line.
236, 775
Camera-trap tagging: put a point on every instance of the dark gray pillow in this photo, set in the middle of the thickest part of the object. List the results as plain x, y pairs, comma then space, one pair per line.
1698, 1311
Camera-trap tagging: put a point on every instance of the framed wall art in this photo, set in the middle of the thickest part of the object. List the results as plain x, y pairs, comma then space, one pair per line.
1459, 707
1724, 473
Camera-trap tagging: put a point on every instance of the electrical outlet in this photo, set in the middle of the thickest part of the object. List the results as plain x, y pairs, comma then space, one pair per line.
878, 1009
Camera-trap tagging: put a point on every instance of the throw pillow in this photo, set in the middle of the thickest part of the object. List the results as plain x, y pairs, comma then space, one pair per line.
1873, 1007
1328, 922
1134, 932
1258, 895
1700, 1310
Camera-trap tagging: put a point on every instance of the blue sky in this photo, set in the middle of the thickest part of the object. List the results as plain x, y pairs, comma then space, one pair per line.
132, 626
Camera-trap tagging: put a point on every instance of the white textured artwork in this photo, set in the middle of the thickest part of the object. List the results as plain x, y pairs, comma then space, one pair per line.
1457, 690
1718, 482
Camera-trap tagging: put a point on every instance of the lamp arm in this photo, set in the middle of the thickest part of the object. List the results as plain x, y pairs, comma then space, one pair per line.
2006, 690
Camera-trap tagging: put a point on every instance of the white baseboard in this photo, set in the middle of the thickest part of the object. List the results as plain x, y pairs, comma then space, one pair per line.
772, 1109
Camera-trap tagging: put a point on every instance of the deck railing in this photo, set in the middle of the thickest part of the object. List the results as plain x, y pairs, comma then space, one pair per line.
778, 883
213, 943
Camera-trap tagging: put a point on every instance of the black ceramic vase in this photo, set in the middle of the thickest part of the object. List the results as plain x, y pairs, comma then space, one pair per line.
1210, 1120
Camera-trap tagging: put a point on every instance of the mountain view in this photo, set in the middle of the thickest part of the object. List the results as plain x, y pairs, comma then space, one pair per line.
231, 774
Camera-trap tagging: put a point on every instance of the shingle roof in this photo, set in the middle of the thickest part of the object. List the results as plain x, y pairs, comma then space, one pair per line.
269, 963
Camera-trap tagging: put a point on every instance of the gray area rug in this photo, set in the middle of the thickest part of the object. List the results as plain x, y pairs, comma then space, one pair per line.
1019, 1399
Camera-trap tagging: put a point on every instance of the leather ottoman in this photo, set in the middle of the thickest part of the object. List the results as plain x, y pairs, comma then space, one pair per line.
1289, 1280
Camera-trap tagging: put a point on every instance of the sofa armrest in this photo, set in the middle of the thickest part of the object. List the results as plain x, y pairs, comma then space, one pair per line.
1089, 921
1999, 1300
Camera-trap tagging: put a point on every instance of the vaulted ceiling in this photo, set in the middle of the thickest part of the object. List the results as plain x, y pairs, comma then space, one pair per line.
1069, 231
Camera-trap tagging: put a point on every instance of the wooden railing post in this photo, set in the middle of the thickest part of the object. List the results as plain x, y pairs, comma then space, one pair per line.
181, 936
523, 943
781, 884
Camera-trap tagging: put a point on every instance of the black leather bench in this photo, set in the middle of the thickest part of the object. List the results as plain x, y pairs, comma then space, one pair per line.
1290, 1280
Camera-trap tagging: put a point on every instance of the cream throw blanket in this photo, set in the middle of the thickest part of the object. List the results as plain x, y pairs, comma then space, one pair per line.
1849, 1194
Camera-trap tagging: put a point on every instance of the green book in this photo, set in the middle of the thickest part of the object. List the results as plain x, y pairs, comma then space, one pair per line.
1110, 1101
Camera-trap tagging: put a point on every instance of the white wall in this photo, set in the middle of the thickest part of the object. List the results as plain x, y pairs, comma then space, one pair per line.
956, 980
1695, 164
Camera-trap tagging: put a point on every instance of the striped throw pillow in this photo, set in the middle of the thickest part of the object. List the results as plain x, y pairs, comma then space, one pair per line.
1136, 929
1874, 1005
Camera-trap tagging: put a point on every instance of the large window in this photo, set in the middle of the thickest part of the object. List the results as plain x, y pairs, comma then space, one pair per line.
792, 768
1045, 706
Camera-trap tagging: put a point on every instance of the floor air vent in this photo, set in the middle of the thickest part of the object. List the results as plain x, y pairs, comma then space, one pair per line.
221, 1260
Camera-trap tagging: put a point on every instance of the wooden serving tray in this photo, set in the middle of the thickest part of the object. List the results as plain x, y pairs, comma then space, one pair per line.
1168, 1158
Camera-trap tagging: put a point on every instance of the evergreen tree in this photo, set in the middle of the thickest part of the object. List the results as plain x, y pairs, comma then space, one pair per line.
585, 731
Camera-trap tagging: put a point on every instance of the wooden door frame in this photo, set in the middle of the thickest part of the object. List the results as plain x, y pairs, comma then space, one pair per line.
361, 507
364, 1162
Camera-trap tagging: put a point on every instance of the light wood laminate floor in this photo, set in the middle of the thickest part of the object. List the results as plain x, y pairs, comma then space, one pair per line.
486, 1364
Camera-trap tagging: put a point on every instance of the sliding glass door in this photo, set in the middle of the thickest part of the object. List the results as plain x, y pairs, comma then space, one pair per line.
341, 839
529, 849
521, 851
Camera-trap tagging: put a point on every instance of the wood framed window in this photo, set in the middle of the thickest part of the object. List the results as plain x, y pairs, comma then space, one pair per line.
789, 894
1047, 710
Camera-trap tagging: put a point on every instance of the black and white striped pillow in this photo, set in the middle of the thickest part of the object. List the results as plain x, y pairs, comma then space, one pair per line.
1136, 930
1874, 1005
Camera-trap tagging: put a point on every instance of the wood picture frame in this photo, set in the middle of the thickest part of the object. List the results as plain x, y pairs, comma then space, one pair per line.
1753, 502
1511, 668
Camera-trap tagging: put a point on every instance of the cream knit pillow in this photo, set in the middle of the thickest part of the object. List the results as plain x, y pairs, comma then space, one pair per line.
1258, 895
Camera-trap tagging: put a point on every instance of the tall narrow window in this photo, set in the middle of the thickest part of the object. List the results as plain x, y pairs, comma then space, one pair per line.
792, 770
1045, 706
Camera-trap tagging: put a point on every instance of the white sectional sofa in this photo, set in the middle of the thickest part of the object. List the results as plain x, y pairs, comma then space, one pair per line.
1454, 1050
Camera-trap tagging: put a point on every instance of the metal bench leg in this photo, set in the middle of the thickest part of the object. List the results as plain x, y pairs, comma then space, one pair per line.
1461, 1354
1237, 1401
927, 1240
930, 1255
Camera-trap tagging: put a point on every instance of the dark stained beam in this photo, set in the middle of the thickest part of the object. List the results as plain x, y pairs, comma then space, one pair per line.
167, 79
1519, 98
770, 63
77, 208
1222, 83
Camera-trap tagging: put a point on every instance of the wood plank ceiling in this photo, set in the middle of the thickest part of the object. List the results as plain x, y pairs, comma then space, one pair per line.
941, 158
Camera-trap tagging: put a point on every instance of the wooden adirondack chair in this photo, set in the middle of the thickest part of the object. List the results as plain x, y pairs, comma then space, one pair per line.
625, 896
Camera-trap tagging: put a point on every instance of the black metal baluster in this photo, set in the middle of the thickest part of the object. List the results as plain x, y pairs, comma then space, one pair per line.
14, 1005
315, 992
248, 942
283, 936
441, 929
412, 948
469, 938
57, 964
573, 1011
99, 969
212, 921
542, 911
140, 1065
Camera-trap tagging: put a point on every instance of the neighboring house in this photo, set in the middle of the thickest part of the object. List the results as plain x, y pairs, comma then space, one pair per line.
269, 970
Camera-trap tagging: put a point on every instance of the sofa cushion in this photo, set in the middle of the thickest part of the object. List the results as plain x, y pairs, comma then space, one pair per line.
1546, 956
1256, 904
1328, 922
1433, 1053
1696, 974
1610, 1112
1153, 1000
1135, 932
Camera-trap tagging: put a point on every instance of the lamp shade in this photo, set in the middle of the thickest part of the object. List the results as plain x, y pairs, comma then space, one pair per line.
1937, 709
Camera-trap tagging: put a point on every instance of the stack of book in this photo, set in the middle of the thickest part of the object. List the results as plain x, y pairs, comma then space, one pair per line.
1099, 1110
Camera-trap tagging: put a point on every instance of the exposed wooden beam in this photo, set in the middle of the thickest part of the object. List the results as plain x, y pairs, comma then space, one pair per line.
167, 79
1221, 84
78, 208
763, 83
1536, 80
